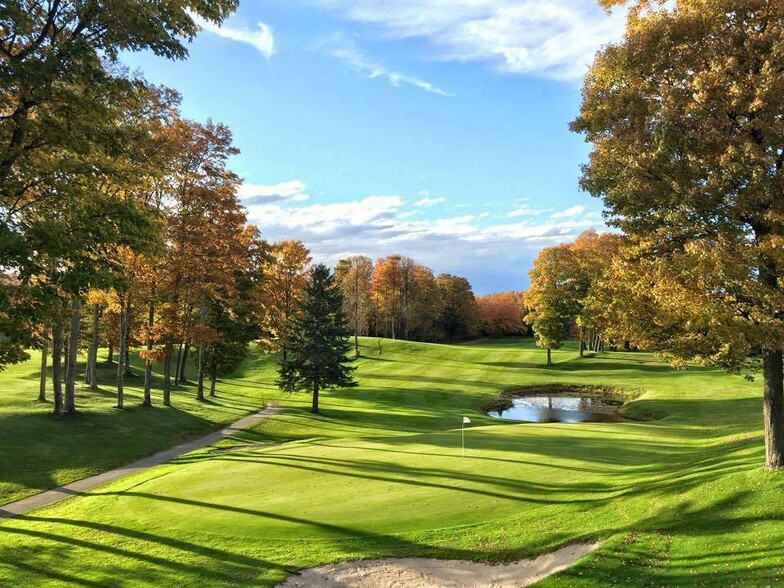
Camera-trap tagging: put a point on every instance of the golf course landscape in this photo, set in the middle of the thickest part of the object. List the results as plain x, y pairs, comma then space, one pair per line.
679, 500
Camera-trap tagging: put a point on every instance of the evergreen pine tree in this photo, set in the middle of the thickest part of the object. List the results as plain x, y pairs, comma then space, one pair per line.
317, 341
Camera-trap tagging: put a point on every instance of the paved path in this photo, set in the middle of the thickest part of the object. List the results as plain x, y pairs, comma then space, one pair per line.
13, 509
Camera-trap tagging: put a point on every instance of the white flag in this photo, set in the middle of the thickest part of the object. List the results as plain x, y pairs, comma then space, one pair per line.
466, 420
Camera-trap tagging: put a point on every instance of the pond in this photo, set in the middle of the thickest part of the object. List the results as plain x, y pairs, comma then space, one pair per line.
557, 408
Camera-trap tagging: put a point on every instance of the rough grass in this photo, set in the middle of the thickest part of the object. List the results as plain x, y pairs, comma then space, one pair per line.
682, 501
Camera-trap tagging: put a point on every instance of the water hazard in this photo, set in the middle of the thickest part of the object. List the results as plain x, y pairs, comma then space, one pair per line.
557, 408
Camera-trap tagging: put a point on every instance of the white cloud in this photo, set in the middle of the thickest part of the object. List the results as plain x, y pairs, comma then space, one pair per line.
262, 38
373, 211
569, 212
427, 202
526, 211
341, 47
552, 38
492, 255
292, 191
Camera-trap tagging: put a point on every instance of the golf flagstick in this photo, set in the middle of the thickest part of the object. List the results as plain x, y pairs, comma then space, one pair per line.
462, 433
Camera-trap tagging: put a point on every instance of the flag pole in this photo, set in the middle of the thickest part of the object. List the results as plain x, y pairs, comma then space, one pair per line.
462, 436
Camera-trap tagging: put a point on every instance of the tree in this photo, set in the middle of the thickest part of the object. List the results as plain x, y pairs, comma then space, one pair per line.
501, 314
457, 307
684, 116
387, 292
354, 275
421, 303
553, 299
317, 340
51, 52
281, 290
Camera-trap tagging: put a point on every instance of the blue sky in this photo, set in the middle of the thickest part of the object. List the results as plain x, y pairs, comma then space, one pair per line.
431, 128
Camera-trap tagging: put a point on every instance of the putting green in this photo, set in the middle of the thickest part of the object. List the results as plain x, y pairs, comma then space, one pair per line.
679, 501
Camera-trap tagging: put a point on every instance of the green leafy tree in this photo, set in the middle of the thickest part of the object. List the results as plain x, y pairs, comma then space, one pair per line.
553, 300
318, 341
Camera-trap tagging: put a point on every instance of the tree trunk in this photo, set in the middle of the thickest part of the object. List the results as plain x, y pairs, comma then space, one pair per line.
128, 310
167, 376
549, 356
110, 354
128, 371
177, 366
315, 408
148, 362
57, 356
200, 375
121, 357
581, 343
44, 356
70, 366
185, 349
213, 380
91, 373
773, 410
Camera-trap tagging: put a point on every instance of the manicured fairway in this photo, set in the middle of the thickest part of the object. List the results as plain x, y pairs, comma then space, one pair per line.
681, 501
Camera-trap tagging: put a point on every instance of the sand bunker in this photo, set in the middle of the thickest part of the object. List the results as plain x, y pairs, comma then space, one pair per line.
435, 573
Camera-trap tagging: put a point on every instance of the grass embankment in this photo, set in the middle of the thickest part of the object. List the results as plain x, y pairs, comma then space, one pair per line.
38, 452
682, 501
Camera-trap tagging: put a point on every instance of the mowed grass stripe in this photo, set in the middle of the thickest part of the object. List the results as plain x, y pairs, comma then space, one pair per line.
380, 474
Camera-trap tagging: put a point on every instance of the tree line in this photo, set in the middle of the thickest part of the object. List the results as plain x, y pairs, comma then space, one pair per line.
398, 298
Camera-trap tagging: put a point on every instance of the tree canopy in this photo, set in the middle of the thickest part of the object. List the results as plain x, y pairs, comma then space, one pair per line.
685, 121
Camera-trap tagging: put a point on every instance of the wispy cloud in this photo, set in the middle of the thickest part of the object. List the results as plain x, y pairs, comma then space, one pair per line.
341, 47
551, 38
262, 38
573, 211
527, 211
292, 191
427, 202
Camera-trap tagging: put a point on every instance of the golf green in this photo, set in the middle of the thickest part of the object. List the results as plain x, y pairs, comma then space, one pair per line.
678, 501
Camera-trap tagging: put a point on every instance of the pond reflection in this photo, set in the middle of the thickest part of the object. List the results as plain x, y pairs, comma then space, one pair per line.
559, 409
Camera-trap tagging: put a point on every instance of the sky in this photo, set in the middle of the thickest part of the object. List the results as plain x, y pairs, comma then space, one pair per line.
436, 129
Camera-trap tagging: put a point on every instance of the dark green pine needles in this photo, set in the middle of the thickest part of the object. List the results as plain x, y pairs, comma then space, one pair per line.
317, 341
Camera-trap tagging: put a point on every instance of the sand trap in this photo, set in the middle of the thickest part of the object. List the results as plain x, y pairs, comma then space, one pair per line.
436, 573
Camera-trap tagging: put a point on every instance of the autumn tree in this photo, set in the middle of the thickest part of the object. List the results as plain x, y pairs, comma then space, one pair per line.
60, 88
281, 290
684, 116
421, 303
501, 314
592, 255
235, 316
318, 340
456, 307
387, 292
354, 276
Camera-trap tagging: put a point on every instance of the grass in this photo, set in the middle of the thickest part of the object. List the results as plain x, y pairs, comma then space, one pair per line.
40, 452
681, 501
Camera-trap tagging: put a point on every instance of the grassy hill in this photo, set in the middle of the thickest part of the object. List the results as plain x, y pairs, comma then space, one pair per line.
40, 452
680, 501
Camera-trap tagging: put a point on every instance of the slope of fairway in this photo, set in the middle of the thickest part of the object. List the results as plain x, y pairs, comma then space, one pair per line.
681, 501
39, 452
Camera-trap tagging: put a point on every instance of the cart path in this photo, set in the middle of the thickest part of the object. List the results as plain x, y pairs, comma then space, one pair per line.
48, 497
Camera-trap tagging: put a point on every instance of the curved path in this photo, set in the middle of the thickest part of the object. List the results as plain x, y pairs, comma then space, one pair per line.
13, 509
435, 573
